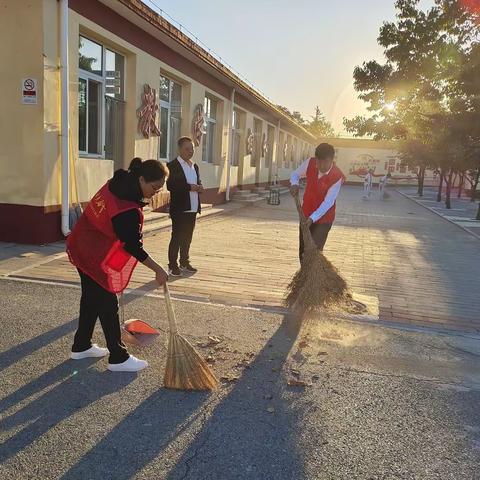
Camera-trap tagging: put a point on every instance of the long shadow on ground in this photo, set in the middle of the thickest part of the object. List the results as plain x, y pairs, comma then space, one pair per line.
239, 439
80, 387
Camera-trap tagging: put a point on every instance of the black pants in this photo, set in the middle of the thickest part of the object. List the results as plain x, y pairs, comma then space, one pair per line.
183, 225
319, 233
96, 302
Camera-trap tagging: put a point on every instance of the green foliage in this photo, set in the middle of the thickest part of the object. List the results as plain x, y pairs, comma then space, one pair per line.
427, 93
318, 126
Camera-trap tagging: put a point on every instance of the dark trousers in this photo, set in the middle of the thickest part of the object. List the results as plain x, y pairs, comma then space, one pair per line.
96, 302
183, 225
319, 233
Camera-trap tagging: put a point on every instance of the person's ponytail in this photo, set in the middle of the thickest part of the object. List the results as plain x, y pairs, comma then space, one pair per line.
150, 170
135, 166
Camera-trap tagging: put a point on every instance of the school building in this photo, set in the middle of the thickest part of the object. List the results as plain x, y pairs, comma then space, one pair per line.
90, 84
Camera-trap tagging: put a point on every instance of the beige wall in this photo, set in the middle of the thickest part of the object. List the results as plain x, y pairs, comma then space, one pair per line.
30, 134
21, 126
354, 161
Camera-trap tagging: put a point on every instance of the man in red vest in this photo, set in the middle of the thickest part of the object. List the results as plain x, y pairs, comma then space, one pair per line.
324, 180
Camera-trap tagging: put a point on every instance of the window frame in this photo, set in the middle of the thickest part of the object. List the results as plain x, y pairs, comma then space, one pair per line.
167, 105
210, 121
102, 80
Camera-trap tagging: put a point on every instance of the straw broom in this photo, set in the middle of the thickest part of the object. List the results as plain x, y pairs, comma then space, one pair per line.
186, 369
317, 283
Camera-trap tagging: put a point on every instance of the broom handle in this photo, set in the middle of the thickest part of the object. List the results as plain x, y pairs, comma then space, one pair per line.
170, 312
306, 234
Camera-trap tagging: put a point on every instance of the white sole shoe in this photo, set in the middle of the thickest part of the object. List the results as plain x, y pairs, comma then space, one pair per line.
93, 352
133, 364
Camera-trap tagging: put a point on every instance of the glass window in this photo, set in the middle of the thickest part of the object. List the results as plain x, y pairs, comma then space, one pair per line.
164, 114
114, 65
237, 137
90, 56
164, 93
208, 147
170, 117
94, 98
82, 115
100, 93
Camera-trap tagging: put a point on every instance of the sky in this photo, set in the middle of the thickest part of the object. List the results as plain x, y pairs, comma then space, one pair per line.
298, 53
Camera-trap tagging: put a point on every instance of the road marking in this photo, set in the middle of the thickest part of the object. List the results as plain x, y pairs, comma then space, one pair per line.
357, 319
50, 258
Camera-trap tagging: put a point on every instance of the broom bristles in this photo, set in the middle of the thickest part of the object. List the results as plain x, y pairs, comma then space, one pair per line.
186, 369
316, 284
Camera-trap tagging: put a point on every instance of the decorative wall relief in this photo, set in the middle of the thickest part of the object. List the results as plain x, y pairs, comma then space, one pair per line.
250, 140
264, 145
199, 125
147, 113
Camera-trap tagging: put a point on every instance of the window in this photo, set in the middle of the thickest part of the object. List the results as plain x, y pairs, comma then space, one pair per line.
208, 147
257, 143
170, 94
270, 143
238, 123
100, 100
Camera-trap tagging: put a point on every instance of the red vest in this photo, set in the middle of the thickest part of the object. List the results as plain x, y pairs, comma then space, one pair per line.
93, 247
317, 189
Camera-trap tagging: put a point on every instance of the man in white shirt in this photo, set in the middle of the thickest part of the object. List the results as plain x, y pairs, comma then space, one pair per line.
185, 186
324, 180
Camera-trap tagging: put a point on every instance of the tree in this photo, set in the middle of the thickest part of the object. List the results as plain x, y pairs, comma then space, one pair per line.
319, 126
409, 95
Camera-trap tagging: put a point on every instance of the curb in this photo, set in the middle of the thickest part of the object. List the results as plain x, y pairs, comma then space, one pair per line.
438, 213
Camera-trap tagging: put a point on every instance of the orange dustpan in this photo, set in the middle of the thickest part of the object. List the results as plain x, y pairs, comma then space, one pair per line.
137, 332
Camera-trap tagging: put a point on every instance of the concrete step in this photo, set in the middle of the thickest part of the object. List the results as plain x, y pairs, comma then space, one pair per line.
251, 198
154, 221
243, 193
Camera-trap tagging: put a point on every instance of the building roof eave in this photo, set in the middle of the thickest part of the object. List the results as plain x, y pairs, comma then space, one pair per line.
166, 32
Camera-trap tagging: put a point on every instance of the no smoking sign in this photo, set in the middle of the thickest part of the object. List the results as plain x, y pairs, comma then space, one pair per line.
29, 91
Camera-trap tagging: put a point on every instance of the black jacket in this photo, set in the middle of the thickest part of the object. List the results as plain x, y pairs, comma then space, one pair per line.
179, 188
126, 225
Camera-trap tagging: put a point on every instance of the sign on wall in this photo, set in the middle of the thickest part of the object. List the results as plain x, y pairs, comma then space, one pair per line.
29, 91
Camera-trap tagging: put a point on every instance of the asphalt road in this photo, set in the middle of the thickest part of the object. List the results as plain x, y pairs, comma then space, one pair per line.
379, 403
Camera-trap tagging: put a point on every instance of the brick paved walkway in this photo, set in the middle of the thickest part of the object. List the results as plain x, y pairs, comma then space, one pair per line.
423, 269
463, 212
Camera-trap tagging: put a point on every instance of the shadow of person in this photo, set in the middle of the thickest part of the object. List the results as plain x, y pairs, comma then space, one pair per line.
140, 436
80, 386
252, 432
21, 350
240, 423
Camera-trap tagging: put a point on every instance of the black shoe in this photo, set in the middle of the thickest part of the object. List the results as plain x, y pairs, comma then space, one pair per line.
188, 268
174, 272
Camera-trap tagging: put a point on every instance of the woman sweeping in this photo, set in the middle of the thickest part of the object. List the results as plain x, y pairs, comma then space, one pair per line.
105, 246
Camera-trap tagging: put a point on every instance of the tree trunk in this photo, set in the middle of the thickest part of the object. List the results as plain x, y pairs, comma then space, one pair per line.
439, 194
474, 186
449, 190
460, 184
421, 179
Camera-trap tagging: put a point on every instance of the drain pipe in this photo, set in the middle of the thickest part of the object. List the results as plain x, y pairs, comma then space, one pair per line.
230, 145
64, 116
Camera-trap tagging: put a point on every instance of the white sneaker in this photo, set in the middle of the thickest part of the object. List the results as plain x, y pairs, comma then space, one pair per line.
93, 352
133, 364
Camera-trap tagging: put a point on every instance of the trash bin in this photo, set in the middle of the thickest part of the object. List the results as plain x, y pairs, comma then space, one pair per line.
274, 196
